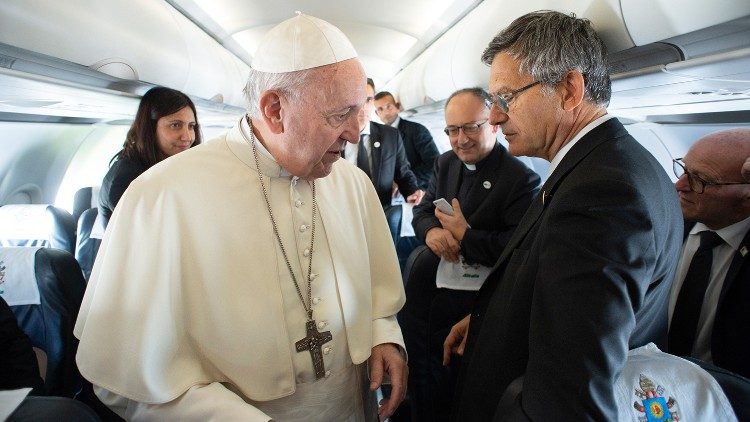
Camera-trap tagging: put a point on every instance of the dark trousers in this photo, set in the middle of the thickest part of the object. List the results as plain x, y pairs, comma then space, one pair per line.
426, 320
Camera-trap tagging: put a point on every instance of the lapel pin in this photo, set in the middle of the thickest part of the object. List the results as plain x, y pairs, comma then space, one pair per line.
743, 250
544, 196
376, 144
487, 184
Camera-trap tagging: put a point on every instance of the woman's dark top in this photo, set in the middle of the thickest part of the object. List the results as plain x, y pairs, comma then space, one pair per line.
18, 364
118, 178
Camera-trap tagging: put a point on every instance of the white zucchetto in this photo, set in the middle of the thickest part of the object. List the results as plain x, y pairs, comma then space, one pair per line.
302, 42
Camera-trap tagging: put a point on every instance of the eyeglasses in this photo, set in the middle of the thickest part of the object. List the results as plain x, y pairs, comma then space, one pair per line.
468, 128
503, 100
695, 182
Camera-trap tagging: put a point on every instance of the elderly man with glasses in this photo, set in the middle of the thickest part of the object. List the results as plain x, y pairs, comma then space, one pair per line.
489, 191
709, 317
586, 275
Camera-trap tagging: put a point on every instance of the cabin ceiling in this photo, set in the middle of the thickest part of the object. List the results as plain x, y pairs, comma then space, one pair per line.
387, 34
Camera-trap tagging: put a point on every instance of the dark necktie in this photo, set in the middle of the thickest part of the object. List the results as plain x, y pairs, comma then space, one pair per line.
363, 161
687, 310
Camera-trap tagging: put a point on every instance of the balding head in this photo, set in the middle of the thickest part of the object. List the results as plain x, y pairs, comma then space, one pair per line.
717, 159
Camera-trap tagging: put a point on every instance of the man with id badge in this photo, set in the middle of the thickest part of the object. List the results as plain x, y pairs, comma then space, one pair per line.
477, 195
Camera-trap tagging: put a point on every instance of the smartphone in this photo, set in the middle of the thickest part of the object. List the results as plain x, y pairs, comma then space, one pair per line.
443, 206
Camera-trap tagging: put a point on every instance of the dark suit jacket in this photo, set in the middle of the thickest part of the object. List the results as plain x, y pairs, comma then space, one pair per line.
492, 213
730, 344
585, 277
19, 366
421, 150
389, 163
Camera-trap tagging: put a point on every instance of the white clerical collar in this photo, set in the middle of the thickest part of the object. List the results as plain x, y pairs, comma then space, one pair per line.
265, 154
366, 130
733, 234
396, 122
471, 167
564, 150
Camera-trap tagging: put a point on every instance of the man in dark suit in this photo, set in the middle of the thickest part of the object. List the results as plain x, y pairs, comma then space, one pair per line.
490, 191
421, 150
709, 317
586, 275
380, 153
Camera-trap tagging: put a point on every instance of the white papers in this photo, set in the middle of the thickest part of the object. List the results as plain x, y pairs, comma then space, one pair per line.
406, 215
10, 400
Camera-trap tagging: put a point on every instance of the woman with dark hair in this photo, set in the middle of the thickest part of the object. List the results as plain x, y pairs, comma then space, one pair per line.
166, 123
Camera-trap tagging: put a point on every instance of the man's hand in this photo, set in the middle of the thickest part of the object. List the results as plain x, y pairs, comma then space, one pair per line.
442, 243
456, 223
456, 340
416, 197
387, 359
746, 170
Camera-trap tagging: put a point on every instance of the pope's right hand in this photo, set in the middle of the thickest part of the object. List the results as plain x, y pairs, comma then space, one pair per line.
442, 243
456, 340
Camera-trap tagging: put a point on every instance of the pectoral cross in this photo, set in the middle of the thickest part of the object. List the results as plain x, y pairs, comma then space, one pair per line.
313, 342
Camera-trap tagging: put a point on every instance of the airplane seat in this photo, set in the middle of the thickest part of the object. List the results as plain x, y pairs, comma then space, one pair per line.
44, 288
86, 245
37, 225
735, 386
48, 409
84, 199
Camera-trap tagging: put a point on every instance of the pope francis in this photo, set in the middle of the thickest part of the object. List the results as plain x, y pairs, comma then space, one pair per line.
253, 277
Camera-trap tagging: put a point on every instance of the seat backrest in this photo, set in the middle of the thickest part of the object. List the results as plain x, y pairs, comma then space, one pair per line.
84, 199
735, 386
44, 288
87, 246
37, 225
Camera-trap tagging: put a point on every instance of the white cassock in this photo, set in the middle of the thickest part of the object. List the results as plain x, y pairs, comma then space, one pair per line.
191, 313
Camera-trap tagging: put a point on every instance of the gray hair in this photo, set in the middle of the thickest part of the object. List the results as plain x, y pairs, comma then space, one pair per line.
476, 91
548, 44
290, 84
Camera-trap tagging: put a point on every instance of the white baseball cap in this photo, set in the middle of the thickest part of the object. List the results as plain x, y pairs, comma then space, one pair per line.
302, 42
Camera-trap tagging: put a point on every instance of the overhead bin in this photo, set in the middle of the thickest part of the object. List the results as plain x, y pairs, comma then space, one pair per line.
453, 61
140, 39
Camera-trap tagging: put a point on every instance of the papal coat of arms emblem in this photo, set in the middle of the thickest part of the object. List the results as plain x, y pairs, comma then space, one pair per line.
653, 406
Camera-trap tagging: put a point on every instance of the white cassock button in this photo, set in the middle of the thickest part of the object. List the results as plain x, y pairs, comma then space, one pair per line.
316, 300
302, 228
321, 325
298, 203
487, 184
328, 374
326, 350
306, 252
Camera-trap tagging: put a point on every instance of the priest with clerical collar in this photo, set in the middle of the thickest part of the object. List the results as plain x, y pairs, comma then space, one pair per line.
253, 277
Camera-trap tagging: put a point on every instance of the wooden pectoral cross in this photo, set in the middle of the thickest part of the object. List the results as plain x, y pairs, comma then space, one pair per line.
313, 342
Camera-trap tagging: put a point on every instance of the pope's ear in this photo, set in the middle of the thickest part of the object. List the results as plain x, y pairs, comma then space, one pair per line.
270, 111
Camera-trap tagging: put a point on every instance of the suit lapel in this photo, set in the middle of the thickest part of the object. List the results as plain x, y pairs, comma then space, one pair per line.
453, 179
734, 268
375, 137
479, 192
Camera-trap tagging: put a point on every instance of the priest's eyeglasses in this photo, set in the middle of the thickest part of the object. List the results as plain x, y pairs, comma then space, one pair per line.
696, 183
468, 128
502, 101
